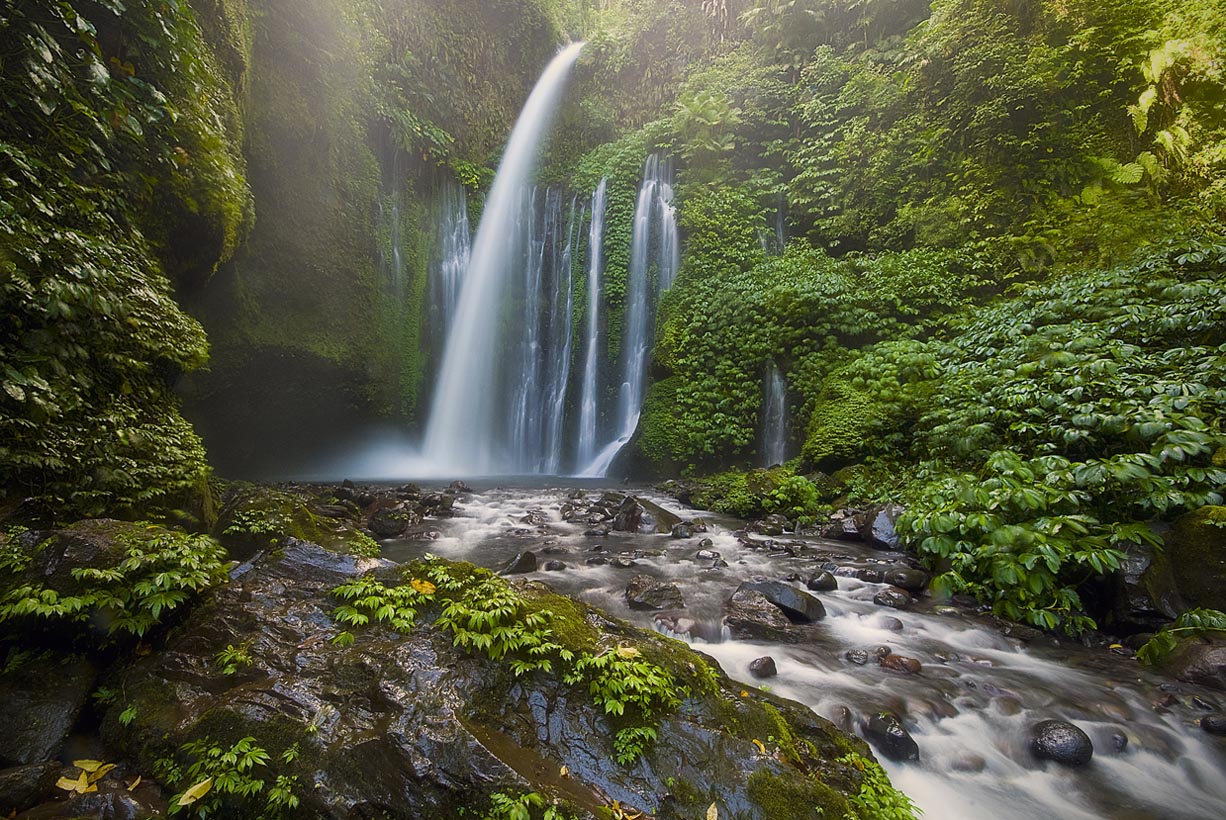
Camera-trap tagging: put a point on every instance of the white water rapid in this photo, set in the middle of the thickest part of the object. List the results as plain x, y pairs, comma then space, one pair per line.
464, 432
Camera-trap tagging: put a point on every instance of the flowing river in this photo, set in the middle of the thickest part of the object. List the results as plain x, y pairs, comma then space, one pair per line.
969, 709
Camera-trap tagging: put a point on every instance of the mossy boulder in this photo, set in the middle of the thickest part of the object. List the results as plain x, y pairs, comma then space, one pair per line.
1196, 546
256, 517
401, 723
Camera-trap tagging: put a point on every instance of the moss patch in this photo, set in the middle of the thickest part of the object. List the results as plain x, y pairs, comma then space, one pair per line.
1196, 546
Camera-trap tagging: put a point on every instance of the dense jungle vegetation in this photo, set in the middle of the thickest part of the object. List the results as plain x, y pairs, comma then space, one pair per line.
1000, 302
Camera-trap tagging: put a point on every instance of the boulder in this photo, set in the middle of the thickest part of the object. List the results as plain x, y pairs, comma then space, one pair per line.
823, 582
877, 527
763, 667
912, 580
522, 563
887, 735
1198, 660
1196, 547
408, 725
1061, 742
682, 530
389, 522
774, 525
554, 566
629, 517
1213, 724
24, 786
900, 663
645, 592
42, 697
797, 606
892, 597
749, 616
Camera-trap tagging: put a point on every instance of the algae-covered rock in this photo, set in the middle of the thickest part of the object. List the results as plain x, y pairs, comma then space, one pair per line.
401, 723
255, 517
1196, 546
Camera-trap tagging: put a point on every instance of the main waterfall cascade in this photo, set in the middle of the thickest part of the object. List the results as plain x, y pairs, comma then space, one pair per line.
468, 431
507, 399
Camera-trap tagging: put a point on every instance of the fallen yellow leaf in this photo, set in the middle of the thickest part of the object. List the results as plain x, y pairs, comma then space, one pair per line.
627, 651
564, 771
100, 772
88, 765
713, 813
424, 587
134, 783
80, 785
759, 744
744, 693
196, 792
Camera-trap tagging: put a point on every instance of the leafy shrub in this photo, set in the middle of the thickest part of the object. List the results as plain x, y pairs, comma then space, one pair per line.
157, 572
218, 778
877, 799
1191, 624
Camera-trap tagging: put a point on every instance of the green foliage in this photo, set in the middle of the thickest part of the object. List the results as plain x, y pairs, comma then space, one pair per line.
620, 679
877, 799
797, 498
524, 807
158, 572
726, 322
1194, 623
117, 146
216, 779
233, 658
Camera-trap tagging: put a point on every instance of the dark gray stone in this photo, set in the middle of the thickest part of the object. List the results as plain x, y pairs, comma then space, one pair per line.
42, 698
823, 582
1061, 742
912, 580
645, 592
878, 527
763, 667
750, 616
24, 786
887, 735
1214, 724
629, 517
892, 597
522, 563
798, 606
554, 566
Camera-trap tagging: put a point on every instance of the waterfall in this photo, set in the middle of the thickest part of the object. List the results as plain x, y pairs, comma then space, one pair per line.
464, 433
452, 244
654, 220
774, 418
586, 448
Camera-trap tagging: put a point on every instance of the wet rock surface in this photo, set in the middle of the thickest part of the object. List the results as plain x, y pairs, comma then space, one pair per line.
797, 606
749, 615
407, 726
645, 592
1061, 742
42, 697
763, 667
887, 735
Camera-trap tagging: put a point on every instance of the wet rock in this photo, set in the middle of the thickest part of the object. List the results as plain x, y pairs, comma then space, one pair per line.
414, 725
891, 623
1061, 742
719, 563
706, 543
665, 521
554, 566
1196, 546
706, 555
798, 606
645, 592
390, 522
535, 518
1119, 741
1144, 592
682, 531
870, 575
597, 532
24, 786
900, 663
1214, 724
887, 735
844, 525
859, 657
750, 616
629, 516
912, 580
773, 525
892, 597
763, 667
522, 563
823, 582
457, 487
596, 561
623, 563
1198, 660
42, 696
878, 528
331, 510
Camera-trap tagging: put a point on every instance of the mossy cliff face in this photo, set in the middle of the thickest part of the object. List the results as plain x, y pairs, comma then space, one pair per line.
124, 184
1196, 546
353, 113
